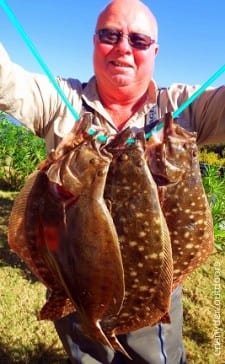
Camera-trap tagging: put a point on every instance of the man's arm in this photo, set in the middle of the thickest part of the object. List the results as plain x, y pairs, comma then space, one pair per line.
206, 115
31, 98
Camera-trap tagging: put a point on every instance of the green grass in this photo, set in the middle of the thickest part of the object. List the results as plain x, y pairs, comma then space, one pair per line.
24, 340
199, 312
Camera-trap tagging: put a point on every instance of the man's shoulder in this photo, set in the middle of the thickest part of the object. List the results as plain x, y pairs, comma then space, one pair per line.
72, 83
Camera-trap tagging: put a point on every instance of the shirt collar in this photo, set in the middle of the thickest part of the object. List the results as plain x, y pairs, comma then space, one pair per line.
91, 97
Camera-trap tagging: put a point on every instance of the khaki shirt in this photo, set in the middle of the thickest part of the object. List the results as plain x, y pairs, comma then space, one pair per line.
33, 100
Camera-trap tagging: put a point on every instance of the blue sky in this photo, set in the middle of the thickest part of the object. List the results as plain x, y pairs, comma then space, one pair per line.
191, 37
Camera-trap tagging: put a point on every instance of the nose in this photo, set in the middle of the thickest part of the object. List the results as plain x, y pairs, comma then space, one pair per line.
123, 43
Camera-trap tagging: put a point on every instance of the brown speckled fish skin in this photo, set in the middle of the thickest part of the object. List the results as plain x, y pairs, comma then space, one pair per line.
70, 235
95, 227
22, 236
22, 241
88, 255
166, 152
184, 202
144, 240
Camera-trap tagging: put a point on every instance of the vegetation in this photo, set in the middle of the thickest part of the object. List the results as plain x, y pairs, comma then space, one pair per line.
24, 340
20, 153
214, 185
211, 158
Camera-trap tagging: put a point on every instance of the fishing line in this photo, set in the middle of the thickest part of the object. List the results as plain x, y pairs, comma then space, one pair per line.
101, 138
199, 91
34, 51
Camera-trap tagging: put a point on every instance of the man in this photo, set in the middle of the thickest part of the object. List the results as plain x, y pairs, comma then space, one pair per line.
122, 93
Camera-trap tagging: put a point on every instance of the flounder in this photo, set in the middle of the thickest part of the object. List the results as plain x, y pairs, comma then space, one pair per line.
144, 239
67, 226
96, 228
22, 240
173, 160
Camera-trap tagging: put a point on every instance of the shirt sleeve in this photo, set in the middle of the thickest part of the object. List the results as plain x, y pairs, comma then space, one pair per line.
32, 99
205, 116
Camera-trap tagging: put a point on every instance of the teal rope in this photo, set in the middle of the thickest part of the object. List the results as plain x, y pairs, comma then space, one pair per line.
199, 91
34, 51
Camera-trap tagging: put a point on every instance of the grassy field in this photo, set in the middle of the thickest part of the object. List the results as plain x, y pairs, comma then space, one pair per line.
24, 340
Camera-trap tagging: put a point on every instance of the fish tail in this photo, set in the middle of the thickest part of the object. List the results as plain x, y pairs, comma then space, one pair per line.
118, 347
95, 332
111, 341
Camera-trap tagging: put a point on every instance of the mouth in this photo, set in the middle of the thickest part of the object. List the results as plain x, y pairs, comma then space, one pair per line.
120, 64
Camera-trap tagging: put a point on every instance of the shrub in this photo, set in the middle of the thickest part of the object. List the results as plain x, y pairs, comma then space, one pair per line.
214, 185
216, 148
211, 158
20, 153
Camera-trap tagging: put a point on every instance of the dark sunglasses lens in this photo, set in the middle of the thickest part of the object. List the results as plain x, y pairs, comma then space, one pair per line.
140, 41
108, 36
136, 40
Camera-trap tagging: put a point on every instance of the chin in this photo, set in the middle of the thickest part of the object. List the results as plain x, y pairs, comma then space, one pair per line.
120, 81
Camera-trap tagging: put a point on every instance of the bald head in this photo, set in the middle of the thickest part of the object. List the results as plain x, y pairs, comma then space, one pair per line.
124, 61
146, 21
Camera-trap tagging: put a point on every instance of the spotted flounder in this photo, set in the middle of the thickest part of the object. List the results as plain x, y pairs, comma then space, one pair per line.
67, 225
173, 160
23, 241
144, 239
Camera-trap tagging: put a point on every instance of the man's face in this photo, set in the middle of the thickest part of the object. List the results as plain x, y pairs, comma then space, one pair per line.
119, 65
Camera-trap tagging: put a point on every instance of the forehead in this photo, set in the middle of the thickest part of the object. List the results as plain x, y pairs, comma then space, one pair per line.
128, 19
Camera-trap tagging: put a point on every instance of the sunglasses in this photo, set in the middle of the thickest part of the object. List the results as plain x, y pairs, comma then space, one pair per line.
136, 40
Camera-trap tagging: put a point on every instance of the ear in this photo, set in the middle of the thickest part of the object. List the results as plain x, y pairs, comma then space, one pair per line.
94, 39
156, 49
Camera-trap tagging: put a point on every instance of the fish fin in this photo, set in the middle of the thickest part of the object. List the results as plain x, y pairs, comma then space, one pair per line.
166, 319
112, 342
119, 140
118, 346
95, 332
56, 307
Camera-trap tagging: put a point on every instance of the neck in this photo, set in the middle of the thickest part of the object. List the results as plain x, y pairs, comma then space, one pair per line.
123, 102
121, 110
122, 96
